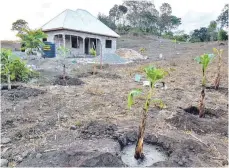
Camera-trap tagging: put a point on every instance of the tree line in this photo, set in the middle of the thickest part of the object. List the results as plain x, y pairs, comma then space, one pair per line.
142, 17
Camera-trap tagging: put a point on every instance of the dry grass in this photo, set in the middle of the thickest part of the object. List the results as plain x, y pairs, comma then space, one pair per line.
94, 90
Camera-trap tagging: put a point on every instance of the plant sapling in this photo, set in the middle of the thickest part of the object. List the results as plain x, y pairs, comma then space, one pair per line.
153, 75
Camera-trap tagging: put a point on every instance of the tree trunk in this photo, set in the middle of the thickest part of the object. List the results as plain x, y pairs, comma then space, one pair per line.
8, 81
64, 72
201, 103
139, 146
217, 80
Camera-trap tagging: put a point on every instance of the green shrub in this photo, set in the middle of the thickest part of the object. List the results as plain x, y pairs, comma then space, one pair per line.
222, 35
15, 67
92, 51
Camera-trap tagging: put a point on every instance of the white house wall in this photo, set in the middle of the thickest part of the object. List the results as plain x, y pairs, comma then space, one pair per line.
103, 39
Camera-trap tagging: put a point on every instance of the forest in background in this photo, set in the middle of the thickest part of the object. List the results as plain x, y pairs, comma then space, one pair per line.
141, 17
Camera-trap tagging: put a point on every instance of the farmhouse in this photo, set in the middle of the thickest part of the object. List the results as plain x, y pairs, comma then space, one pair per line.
80, 31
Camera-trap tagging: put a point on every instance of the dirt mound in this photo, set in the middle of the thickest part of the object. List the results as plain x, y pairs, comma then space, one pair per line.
20, 92
68, 81
97, 129
71, 158
187, 122
129, 54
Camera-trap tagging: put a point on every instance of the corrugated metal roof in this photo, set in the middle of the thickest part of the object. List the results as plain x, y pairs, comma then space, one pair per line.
79, 20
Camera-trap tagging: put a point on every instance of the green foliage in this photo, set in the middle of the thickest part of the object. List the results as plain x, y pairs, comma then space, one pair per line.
131, 95
32, 39
204, 60
154, 74
200, 35
19, 25
107, 21
142, 50
15, 67
63, 51
222, 35
223, 17
92, 51
183, 37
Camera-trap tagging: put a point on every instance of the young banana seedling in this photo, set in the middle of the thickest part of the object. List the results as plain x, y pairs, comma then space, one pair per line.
63, 52
218, 76
204, 60
93, 53
153, 74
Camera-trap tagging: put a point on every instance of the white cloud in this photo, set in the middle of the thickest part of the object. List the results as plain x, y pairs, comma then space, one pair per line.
194, 13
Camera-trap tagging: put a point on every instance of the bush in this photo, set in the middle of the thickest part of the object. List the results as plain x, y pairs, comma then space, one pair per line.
168, 35
183, 37
15, 66
222, 35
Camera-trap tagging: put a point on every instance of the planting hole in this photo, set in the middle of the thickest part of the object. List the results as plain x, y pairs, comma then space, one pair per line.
209, 113
152, 155
5, 87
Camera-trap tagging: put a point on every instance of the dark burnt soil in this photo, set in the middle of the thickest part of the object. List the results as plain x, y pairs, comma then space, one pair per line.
100, 153
20, 92
222, 90
68, 81
99, 74
209, 113
188, 120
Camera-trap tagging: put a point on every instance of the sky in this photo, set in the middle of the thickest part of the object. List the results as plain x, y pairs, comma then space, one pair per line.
193, 13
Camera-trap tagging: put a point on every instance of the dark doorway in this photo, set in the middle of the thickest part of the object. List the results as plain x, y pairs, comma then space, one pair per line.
86, 45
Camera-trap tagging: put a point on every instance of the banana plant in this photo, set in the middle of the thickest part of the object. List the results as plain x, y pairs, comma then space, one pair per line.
204, 60
153, 75
63, 52
7, 59
218, 76
93, 52
32, 39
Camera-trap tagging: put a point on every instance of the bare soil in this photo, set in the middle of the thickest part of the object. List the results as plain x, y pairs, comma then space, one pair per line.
89, 124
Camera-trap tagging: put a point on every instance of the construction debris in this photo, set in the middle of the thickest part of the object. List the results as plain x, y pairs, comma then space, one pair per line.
129, 54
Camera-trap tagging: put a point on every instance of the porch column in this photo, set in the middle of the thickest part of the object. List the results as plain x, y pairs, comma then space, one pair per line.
83, 45
63, 39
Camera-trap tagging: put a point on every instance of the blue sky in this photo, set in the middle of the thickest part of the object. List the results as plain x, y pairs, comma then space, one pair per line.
194, 13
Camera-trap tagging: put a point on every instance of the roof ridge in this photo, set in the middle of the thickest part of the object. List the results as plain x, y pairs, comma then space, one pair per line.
54, 18
65, 16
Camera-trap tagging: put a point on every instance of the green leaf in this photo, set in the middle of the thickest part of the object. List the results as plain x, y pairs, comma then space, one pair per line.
159, 103
153, 74
131, 96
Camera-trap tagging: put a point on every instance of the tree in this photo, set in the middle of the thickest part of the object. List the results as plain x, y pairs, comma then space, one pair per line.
19, 25
32, 39
222, 35
175, 22
200, 35
212, 30
107, 21
223, 17
153, 74
115, 13
166, 9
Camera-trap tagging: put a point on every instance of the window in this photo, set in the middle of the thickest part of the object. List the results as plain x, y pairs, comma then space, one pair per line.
44, 39
75, 42
108, 43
